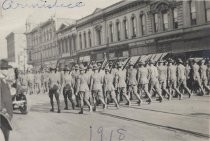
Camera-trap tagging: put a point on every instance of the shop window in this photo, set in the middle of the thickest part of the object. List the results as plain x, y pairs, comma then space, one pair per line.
207, 9
193, 12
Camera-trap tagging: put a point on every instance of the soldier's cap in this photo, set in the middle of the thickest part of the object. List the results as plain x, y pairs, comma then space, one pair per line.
151, 62
141, 63
81, 67
99, 64
107, 68
90, 66
131, 64
5, 120
95, 67
180, 60
76, 67
203, 61
170, 60
119, 65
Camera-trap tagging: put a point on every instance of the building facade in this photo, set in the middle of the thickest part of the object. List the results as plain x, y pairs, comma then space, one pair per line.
16, 50
131, 28
42, 43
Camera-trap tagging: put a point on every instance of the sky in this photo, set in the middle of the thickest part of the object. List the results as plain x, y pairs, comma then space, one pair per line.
13, 20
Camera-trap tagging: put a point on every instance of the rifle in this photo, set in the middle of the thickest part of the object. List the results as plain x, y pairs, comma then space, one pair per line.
126, 63
137, 61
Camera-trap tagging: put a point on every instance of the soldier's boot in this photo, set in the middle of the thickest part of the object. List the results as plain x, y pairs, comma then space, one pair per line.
81, 111
94, 107
90, 108
149, 100
73, 105
52, 105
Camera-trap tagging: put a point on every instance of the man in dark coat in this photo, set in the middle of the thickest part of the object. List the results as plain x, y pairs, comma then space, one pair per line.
6, 111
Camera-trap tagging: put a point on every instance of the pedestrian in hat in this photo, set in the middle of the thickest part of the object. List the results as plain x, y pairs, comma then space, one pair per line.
6, 111
82, 89
108, 83
96, 87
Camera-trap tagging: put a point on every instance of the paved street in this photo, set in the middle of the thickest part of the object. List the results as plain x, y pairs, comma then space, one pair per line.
185, 120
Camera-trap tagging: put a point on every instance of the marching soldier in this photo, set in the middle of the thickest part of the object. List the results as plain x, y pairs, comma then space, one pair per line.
181, 76
208, 72
68, 89
162, 77
30, 82
54, 88
75, 73
96, 87
132, 82
172, 78
108, 83
120, 83
188, 70
143, 80
82, 89
203, 74
153, 79
196, 76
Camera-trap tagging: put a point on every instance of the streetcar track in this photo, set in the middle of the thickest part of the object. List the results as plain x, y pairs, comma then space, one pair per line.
170, 128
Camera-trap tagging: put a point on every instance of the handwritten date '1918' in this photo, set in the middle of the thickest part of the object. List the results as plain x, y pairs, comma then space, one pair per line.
121, 134
14, 4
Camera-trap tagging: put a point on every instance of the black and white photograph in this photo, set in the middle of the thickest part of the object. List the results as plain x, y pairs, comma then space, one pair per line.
104, 70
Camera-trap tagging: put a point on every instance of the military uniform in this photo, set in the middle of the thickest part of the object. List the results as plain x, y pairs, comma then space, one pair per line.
82, 89
143, 81
172, 79
96, 86
55, 89
108, 83
197, 76
153, 75
68, 90
181, 76
120, 83
203, 74
75, 73
162, 77
132, 82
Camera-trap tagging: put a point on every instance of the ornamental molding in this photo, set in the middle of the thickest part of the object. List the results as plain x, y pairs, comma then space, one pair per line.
162, 6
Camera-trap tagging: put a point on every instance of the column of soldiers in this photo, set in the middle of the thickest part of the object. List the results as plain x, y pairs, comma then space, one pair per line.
93, 84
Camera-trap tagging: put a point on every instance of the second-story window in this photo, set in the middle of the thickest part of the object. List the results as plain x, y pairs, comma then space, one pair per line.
80, 40
193, 12
143, 24
156, 22
133, 23
90, 39
175, 18
99, 36
125, 23
85, 41
207, 9
165, 21
111, 32
118, 30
